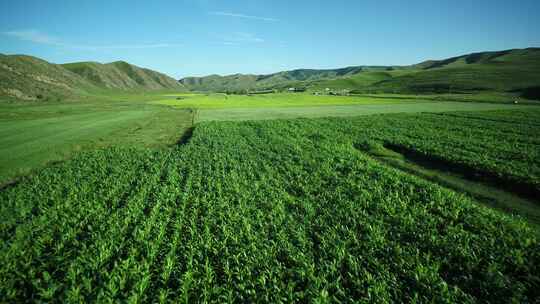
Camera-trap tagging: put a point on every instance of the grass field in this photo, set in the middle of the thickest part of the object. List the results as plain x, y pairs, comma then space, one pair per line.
285, 105
251, 113
33, 135
278, 211
277, 100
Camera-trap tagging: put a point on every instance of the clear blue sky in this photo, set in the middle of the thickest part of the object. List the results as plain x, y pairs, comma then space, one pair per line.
200, 37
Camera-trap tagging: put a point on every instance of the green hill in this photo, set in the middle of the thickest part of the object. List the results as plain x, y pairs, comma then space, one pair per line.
30, 78
121, 75
515, 70
504, 71
276, 80
220, 83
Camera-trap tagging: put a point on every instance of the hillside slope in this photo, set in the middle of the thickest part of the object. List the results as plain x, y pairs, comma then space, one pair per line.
505, 71
121, 75
29, 78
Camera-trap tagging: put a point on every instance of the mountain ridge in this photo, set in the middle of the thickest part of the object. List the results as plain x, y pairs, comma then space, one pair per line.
24, 77
253, 81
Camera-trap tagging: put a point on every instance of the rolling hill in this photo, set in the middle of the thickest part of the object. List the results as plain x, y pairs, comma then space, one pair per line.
29, 78
276, 80
505, 71
121, 75
515, 70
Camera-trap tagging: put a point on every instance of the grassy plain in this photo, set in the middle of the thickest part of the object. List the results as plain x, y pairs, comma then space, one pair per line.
35, 134
252, 113
218, 106
278, 100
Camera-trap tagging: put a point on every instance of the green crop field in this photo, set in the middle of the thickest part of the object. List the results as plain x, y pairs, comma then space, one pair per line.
279, 211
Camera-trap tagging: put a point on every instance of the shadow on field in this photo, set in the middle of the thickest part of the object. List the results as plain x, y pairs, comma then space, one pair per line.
186, 136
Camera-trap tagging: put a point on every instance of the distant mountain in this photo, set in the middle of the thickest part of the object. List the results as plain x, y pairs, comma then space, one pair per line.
515, 70
280, 79
30, 78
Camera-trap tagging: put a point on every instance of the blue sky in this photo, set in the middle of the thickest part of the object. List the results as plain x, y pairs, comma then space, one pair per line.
201, 37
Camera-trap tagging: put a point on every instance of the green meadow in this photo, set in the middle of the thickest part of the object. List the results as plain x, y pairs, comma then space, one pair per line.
369, 108
34, 135
277, 100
